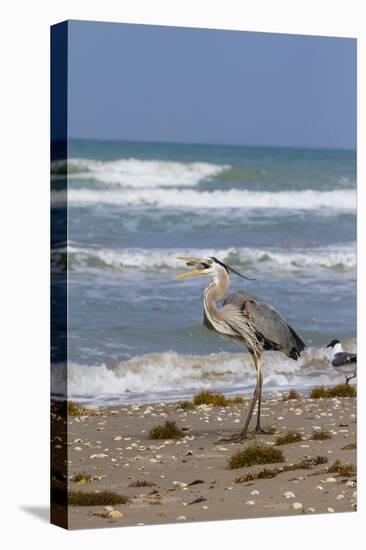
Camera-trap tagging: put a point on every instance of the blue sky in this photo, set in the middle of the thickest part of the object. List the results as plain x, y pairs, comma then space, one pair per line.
153, 83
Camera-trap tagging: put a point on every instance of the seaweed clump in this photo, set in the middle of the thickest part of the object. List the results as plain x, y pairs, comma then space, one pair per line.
292, 394
268, 473
290, 437
210, 398
81, 478
349, 447
341, 390
256, 454
216, 399
186, 405
320, 435
169, 430
104, 498
342, 470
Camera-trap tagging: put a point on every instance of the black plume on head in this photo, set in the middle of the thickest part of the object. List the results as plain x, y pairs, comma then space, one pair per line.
229, 268
333, 343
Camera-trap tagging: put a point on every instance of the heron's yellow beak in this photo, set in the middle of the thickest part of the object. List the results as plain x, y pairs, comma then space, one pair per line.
192, 273
190, 262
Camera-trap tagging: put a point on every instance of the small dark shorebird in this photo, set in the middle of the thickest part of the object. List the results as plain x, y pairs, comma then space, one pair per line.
343, 361
246, 319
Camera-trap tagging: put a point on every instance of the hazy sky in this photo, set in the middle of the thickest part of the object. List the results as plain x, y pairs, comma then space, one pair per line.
151, 83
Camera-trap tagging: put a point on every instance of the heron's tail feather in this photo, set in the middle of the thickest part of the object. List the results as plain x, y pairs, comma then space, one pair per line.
297, 345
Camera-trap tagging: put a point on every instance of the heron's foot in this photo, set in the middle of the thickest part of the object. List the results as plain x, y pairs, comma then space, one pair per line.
263, 431
234, 438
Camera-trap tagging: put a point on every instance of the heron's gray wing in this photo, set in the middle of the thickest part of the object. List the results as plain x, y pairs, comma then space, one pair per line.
271, 328
344, 358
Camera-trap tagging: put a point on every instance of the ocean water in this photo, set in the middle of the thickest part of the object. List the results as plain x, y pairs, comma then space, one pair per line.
284, 216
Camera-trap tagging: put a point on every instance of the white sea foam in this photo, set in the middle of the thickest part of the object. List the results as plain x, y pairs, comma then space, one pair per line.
169, 375
141, 173
333, 257
341, 200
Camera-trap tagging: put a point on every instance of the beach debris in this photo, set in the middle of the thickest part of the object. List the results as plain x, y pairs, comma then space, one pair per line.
254, 493
117, 438
289, 494
186, 406
181, 518
319, 488
189, 453
297, 506
351, 484
143, 483
197, 500
250, 502
115, 514
180, 484
330, 510
340, 497
195, 482
98, 455
310, 510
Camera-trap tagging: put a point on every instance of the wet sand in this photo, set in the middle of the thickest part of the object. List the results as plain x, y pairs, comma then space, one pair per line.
189, 479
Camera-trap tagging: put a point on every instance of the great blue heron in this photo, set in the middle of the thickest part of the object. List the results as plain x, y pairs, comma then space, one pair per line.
343, 361
246, 319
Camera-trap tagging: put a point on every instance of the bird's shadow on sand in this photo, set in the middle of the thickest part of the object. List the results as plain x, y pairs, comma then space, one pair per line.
40, 512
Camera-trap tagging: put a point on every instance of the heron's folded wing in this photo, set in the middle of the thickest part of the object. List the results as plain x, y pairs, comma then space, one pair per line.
268, 322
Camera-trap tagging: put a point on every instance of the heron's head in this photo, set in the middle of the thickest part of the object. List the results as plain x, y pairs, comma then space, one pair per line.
207, 266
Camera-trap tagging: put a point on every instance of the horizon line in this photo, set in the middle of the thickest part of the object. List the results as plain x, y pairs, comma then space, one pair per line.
212, 144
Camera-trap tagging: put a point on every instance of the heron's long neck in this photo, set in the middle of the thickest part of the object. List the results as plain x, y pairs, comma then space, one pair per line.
216, 292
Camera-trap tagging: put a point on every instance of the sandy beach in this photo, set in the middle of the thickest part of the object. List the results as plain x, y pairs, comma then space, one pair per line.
188, 479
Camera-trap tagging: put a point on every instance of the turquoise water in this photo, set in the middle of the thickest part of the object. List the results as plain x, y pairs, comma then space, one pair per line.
284, 216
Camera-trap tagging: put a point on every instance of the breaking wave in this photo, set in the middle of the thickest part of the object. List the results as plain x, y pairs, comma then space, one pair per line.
339, 258
138, 173
169, 375
338, 200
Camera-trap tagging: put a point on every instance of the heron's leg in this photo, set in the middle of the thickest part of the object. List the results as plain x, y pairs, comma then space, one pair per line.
258, 428
256, 395
243, 434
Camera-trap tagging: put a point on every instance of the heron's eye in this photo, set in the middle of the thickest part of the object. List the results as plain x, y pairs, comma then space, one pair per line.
210, 262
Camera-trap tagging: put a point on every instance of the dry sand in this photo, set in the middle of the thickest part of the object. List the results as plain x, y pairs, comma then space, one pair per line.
191, 477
